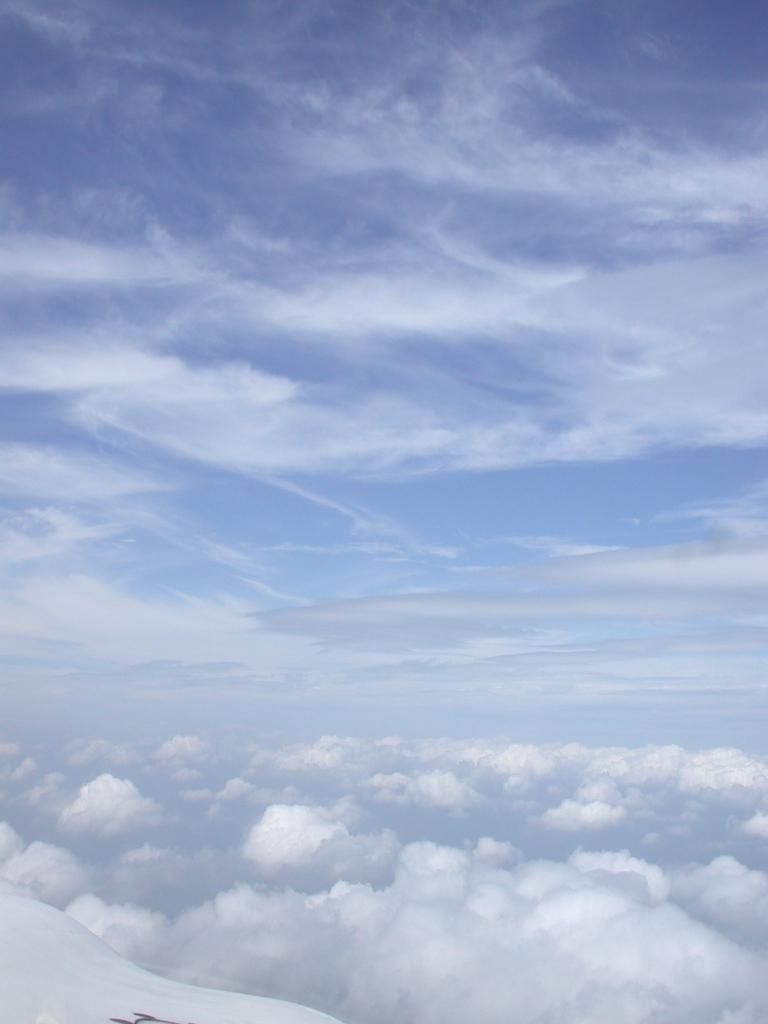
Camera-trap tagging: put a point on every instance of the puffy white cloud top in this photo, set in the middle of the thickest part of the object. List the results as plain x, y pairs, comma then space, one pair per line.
573, 815
43, 870
429, 789
757, 825
294, 836
182, 748
107, 806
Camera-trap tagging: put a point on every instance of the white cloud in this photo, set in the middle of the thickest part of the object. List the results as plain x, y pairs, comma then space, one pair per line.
239, 417
146, 854
234, 789
291, 836
327, 754
68, 474
126, 927
743, 516
616, 932
619, 868
727, 564
201, 795
433, 622
629, 382
757, 825
554, 547
548, 611
48, 261
70, 27
728, 894
38, 534
110, 621
109, 806
51, 962
182, 748
611, 374
494, 853
597, 935
27, 365
47, 794
471, 293
46, 872
427, 789
86, 751
520, 764
723, 769
575, 815
466, 773
10, 841
444, 633
476, 132
23, 770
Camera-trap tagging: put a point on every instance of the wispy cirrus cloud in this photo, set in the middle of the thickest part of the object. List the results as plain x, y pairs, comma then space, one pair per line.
70, 473
295, 302
52, 262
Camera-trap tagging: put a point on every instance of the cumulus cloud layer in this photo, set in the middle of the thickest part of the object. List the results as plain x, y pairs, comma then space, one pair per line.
453, 939
418, 880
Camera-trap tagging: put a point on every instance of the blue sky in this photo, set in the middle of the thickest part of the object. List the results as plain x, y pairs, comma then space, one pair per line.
403, 362
384, 499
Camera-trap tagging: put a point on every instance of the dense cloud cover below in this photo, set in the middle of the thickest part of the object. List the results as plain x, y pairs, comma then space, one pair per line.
418, 881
